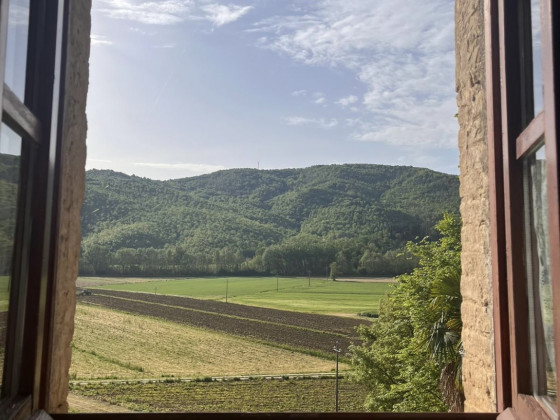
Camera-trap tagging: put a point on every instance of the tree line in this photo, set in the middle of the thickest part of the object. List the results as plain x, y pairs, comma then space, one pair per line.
299, 256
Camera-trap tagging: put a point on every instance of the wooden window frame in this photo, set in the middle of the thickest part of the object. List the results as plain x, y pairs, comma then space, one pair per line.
513, 133
36, 119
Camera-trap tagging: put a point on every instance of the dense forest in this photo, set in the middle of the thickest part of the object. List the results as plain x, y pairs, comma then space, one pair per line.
322, 220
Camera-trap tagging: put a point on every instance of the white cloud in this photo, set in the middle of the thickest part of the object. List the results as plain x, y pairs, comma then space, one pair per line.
401, 51
100, 40
171, 12
320, 98
220, 14
302, 92
347, 100
163, 12
314, 122
192, 167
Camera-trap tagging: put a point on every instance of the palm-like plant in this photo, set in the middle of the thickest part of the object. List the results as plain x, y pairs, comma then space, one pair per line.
444, 341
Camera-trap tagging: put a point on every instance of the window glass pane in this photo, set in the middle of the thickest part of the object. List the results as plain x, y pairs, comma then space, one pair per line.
539, 281
10, 149
16, 49
537, 53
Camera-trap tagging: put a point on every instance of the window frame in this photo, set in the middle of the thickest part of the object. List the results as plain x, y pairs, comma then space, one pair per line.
513, 133
36, 119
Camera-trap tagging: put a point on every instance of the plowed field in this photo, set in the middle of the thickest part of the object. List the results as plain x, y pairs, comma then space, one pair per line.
306, 331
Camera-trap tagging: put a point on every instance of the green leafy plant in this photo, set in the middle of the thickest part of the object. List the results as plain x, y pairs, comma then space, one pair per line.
410, 358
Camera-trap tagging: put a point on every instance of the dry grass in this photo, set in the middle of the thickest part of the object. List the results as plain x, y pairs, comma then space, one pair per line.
111, 344
81, 404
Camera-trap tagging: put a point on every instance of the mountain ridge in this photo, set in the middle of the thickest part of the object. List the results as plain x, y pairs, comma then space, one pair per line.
243, 213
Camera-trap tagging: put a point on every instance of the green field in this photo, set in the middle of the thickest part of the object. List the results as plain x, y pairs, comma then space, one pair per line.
343, 298
255, 395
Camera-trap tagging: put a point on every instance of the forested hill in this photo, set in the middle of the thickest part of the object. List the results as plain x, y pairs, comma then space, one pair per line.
289, 221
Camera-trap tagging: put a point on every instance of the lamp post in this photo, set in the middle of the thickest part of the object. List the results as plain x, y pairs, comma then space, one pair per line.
337, 350
227, 286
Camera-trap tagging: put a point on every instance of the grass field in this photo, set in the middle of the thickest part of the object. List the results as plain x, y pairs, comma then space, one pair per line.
256, 395
296, 294
112, 344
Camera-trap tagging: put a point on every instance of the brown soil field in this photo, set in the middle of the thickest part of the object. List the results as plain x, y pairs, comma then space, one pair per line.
327, 323
306, 331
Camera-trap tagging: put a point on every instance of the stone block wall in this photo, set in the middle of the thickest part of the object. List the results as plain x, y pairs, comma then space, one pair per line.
476, 283
72, 187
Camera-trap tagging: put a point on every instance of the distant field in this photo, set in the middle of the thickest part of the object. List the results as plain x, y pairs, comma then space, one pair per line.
256, 395
344, 298
113, 344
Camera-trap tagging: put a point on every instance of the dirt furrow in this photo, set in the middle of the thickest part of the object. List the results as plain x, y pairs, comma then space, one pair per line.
281, 334
327, 323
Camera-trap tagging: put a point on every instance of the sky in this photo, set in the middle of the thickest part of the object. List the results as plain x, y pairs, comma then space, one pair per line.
184, 87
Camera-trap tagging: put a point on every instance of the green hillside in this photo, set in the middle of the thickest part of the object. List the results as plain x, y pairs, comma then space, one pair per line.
290, 221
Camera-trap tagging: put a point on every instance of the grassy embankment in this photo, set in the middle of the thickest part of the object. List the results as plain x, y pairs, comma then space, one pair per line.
295, 294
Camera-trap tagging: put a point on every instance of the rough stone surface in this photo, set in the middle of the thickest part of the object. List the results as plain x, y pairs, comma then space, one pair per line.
72, 188
478, 363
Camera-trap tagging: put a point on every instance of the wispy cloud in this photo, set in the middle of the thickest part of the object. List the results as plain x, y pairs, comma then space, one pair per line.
404, 60
302, 92
192, 167
314, 122
163, 12
100, 40
347, 100
220, 14
171, 12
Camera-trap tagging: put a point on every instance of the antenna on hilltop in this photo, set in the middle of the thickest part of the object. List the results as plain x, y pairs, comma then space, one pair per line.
258, 165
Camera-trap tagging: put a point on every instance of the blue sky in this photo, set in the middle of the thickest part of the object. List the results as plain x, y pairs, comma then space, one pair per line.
184, 87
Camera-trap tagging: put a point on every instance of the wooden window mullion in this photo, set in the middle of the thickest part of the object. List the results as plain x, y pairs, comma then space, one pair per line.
512, 119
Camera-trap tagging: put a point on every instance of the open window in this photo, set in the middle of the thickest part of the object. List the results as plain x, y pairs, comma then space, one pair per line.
522, 77
522, 115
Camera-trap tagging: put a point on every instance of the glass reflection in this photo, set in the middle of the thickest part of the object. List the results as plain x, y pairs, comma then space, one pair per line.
537, 55
16, 48
10, 150
539, 281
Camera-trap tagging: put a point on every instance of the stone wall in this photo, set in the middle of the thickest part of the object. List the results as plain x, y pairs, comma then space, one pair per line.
476, 288
72, 186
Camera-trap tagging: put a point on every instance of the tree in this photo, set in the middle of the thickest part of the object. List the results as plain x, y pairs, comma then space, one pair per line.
410, 356
333, 268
